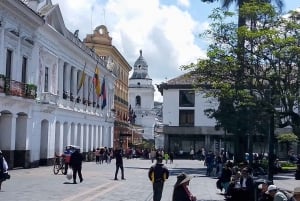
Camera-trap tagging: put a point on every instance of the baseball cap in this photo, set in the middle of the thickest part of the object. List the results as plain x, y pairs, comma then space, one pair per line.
271, 188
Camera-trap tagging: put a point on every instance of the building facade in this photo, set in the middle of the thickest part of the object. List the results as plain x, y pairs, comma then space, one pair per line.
185, 126
101, 43
48, 98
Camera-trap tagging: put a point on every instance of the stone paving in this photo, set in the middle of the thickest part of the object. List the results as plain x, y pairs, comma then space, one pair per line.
40, 184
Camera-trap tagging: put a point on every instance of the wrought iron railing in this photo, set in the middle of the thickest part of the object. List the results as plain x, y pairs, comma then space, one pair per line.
16, 88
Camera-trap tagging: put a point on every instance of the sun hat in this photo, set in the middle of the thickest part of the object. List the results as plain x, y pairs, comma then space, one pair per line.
182, 178
271, 188
297, 191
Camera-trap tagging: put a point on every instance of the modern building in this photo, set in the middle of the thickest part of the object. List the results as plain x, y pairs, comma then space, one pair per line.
47, 86
141, 98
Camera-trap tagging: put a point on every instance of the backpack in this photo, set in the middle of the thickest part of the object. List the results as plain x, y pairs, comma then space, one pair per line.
288, 194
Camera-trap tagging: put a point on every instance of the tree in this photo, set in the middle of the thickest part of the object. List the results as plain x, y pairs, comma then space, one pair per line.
270, 64
288, 139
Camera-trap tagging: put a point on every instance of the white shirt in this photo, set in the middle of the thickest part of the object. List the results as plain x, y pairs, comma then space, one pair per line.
5, 166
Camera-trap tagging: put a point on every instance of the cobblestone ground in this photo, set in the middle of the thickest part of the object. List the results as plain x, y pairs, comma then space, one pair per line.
40, 184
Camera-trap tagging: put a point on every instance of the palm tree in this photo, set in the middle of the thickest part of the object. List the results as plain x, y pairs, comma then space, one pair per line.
241, 20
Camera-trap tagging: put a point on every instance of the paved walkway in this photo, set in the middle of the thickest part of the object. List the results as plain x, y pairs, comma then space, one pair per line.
40, 184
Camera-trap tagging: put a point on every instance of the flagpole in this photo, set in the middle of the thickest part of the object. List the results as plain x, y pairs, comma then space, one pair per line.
92, 85
78, 88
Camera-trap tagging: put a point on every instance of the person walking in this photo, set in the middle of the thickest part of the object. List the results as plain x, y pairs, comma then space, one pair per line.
67, 156
119, 164
158, 174
171, 157
3, 169
76, 164
181, 191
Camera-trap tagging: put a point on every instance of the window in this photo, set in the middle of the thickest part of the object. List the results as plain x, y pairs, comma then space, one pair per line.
8, 63
186, 98
24, 69
46, 79
186, 117
138, 101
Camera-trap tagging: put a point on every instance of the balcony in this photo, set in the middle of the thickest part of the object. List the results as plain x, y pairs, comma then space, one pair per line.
49, 98
16, 88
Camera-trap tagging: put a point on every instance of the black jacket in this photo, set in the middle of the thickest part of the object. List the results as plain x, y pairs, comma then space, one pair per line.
158, 172
76, 159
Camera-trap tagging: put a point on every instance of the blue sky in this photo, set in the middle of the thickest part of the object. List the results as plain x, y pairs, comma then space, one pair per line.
166, 30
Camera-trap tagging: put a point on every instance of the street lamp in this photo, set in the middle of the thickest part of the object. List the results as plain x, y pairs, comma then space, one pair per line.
270, 135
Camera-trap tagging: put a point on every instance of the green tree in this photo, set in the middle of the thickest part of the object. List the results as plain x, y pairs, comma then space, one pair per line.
288, 139
271, 63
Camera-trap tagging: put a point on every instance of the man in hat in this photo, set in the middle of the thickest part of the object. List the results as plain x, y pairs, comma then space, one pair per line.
181, 191
263, 196
157, 174
276, 194
296, 194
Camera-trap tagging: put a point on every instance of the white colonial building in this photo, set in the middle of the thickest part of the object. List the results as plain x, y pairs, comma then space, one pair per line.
141, 97
185, 126
42, 106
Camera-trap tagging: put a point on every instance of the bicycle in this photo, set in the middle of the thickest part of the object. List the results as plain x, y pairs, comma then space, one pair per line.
59, 165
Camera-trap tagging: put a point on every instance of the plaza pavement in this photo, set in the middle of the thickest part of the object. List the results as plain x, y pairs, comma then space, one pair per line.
40, 184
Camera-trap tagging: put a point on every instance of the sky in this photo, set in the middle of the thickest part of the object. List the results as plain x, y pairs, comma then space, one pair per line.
167, 31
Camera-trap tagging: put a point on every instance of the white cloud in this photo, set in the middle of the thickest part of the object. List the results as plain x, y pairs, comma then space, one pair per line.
166, 34
185, 3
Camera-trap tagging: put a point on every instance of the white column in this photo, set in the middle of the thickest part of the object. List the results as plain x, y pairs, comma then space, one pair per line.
16, 68
74, 82
13, 132
96, 134
67, 77
2, 55
85, 88
60, 78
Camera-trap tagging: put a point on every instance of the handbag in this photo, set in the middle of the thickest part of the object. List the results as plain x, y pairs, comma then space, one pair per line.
69, 173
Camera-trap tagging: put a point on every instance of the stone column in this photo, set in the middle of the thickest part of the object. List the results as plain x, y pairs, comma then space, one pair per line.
74, 83
2, 67
67, 77
86, 88
60, 78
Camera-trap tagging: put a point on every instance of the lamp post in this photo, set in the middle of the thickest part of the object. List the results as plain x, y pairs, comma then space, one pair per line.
270, 136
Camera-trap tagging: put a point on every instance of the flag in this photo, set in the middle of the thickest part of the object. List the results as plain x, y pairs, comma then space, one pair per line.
103, 94
96, 82
82, 79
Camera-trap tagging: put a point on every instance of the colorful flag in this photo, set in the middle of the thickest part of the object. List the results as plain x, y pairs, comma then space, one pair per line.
82, 79
96, 82
103, 94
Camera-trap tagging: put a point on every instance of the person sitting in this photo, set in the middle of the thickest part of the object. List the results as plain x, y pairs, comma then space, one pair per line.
263, 196
247, 185
181, 191
276, 194
296, 194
